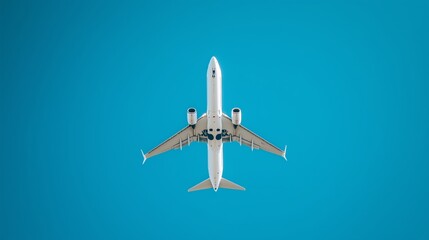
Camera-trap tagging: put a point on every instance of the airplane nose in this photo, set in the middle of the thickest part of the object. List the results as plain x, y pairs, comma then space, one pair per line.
213, 68
213, 61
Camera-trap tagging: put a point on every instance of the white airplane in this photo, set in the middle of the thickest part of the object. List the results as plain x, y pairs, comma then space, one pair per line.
214, 128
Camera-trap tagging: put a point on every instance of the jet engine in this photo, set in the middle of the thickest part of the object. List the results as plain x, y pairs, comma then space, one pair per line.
236, 116
192, 116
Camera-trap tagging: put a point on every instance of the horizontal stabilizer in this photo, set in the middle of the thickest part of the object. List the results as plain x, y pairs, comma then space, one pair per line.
201, 186
224, 183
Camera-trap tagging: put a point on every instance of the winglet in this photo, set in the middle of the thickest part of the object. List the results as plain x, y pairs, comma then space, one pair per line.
144, 157
284, 153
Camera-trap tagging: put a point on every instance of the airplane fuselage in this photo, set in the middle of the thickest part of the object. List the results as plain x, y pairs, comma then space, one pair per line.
214, 123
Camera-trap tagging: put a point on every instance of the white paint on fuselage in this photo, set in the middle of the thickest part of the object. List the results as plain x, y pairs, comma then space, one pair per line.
214, 122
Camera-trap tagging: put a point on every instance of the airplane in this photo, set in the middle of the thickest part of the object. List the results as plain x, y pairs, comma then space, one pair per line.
214, 128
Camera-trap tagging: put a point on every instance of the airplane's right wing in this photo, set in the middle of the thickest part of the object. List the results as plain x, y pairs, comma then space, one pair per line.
245, 136
181, 139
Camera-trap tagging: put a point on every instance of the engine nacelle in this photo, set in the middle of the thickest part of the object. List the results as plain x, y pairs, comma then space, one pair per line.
192, 116
236, 116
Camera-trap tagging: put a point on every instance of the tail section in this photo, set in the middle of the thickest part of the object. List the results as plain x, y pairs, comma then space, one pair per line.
201, 186
224, 183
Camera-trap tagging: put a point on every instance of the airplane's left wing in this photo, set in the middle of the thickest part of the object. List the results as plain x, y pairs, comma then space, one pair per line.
181, 139
245, 136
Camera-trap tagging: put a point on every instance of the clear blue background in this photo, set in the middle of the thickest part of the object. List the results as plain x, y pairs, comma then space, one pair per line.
85, 85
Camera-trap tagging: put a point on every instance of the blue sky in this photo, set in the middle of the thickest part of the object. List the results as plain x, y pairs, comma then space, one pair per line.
85, 85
